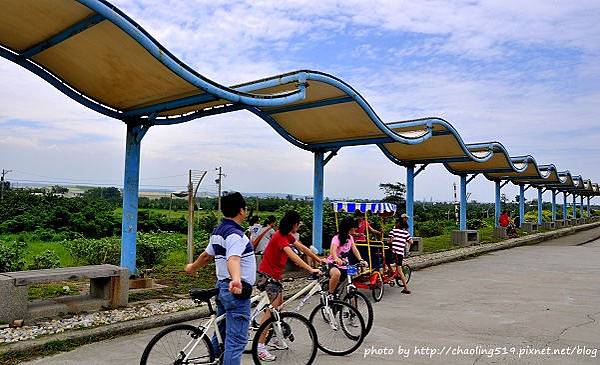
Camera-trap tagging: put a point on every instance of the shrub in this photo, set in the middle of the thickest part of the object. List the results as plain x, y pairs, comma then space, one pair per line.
96, 251
46, 260
429, 228
12, 256
475, 223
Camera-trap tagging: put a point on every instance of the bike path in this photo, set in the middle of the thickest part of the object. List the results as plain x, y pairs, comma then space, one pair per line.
526, 299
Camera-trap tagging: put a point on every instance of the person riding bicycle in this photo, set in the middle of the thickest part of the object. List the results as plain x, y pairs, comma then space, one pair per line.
236, 273
272, 266
340, 252
400, 241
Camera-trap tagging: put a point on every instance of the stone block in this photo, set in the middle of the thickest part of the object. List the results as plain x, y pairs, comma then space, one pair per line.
549, 225
13, 300
529, 227
465, 238
417, 246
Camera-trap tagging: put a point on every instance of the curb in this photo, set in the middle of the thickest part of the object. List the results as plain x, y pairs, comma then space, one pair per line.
503, 245
128, 327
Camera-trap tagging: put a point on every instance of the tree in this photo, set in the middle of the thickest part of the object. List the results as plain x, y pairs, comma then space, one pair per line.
110, 194
57, 189
394, 192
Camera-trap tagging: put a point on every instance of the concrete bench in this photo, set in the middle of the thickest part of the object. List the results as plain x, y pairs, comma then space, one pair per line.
465, 238
417, 246
549, 225
529, 227
108, 289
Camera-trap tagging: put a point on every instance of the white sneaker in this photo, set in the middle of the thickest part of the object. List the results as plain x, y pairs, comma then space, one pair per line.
265, 355
276, 344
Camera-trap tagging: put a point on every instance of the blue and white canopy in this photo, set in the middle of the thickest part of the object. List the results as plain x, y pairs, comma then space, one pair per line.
376, 208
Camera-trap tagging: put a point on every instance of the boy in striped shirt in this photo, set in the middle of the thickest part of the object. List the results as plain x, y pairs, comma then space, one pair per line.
400, 241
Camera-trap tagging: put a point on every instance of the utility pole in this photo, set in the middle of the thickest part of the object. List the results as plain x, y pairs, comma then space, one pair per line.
4, 172
219, 182
191, 207
456, 205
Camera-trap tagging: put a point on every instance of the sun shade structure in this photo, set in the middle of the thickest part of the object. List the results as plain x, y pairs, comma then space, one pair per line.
95, 54
375, 208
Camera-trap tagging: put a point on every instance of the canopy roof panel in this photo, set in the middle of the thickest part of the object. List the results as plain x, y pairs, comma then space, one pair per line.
97, 55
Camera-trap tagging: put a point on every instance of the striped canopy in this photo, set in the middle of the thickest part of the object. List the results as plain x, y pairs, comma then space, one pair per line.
375, 208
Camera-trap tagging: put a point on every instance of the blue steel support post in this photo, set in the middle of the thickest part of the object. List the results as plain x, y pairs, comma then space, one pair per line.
565, 204
410, 197
574, 206
463, 202
521, 204
318, 202
553, 205
540, 206
581, 206
588, 207
130, 197
498, 207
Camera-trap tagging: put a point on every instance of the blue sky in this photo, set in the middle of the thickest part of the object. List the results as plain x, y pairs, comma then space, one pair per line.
522, 73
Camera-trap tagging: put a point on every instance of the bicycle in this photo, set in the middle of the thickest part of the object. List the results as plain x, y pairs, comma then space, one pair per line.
356, 298
191, 345
330, 318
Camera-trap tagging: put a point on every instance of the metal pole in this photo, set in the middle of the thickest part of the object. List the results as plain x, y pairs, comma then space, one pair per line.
463, 202
317, 225
4, 172
565, 206
130, 199
540, 213
498, 203
190, 230
410, 197
220, 181
553, 205
581, 205
588, 207
521, 204
574, 206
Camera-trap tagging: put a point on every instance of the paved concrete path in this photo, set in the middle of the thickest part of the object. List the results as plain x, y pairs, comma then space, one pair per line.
526, 300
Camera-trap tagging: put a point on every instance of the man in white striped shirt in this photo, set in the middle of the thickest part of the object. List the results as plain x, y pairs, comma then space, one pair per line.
400, 241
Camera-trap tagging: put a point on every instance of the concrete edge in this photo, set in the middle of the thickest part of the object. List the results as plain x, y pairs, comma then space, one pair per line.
503, 245
197, 313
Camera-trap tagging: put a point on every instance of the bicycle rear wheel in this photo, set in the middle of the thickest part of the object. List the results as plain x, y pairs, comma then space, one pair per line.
295, 333
377, 287
407, 273
340, 327
360, 301
174, 344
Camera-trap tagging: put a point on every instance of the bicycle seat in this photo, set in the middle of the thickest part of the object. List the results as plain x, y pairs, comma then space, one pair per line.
203, 295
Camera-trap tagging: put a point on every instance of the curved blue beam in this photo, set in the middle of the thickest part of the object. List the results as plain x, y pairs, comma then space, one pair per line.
118, 18
496, 147
444, 123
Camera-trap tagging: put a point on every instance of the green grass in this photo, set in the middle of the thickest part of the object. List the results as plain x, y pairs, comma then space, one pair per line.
35, 248
45, 291
438, 243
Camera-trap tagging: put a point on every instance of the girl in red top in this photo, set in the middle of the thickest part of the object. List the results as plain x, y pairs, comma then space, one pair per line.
270, 270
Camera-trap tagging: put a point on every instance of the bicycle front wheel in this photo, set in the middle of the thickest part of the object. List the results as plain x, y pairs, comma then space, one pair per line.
340, 327
360, 301
179, 344
292, 340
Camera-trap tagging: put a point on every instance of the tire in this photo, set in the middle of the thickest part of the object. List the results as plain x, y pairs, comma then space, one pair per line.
377, 287
348, 335
366, 309
203, 352
407, 270
296, 330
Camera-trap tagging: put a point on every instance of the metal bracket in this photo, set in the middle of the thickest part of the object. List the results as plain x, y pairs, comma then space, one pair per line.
331, 155
527, 188
504, 183
420, 169
471, 178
